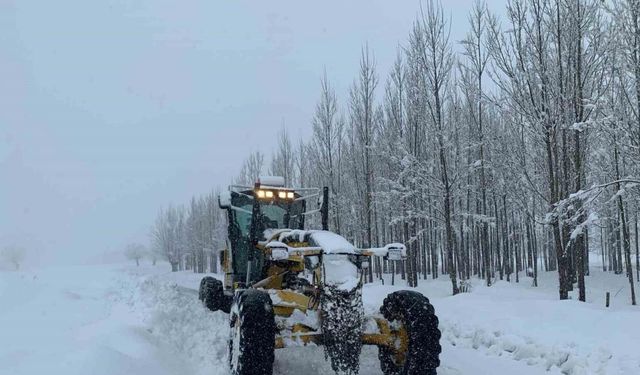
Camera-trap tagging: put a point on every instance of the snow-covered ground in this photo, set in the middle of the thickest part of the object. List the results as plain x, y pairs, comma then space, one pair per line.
120, 319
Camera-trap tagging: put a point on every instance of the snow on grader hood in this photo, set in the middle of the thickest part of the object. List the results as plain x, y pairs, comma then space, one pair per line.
289, 286
342, 260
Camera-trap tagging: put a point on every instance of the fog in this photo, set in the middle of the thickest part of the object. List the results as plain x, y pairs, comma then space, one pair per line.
110, 110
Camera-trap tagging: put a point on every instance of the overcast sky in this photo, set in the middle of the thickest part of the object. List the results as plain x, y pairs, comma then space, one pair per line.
111, 109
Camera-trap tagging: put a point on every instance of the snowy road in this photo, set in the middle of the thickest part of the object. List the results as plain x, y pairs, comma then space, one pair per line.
122, 320
456, 361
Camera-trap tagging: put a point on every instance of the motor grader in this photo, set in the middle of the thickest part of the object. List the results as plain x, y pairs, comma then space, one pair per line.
287, 286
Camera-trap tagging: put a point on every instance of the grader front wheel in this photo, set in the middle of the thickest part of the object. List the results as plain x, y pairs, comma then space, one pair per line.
413, 316
252, 337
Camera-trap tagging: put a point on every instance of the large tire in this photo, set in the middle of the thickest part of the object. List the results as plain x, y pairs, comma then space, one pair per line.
252, 338
201, 288
414, 311
211, 293
342, 315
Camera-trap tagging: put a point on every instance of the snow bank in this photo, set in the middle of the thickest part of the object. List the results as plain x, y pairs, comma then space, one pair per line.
77, 320
179, 321
518, 322
112, 320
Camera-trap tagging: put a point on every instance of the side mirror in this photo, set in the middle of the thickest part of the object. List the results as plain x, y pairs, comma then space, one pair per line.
224, 199
396, 251
392, 251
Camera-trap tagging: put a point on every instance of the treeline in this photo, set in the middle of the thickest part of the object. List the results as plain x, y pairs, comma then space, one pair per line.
514, 150
189, 238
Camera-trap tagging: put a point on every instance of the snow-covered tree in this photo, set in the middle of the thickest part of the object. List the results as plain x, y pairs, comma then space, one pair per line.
515, 153
135, 252
252, 168
282, 162
13, 255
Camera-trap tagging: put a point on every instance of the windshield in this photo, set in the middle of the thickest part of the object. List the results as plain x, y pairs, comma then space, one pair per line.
273, 215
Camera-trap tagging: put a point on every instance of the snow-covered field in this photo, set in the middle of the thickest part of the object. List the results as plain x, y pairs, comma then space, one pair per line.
119, 319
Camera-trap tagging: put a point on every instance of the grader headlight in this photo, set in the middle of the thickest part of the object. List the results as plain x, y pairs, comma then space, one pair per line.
278, 250
263, 193
279, 254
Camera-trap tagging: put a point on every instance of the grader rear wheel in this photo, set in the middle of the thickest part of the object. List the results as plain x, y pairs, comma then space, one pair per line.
211, 293
414, 317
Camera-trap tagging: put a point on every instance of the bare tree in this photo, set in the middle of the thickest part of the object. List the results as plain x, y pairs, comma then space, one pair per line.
475, 178
251, 169
326, 142
13, 255
168, 235
154, 254
361, 109
282, 162
430, 38
478, 58
135, 251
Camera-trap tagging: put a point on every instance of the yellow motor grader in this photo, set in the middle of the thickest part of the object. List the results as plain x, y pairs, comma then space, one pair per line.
287, 286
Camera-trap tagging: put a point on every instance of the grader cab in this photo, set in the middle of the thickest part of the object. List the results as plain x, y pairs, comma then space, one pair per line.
288, 286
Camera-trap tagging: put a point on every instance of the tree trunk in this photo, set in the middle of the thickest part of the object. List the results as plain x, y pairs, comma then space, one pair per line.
449, 239
587, 248
625, 234
506, 240
637, 250
516, 249
603, 249
535, 256
498, 246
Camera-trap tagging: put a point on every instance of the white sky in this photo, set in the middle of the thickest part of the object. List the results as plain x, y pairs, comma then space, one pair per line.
111, 109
